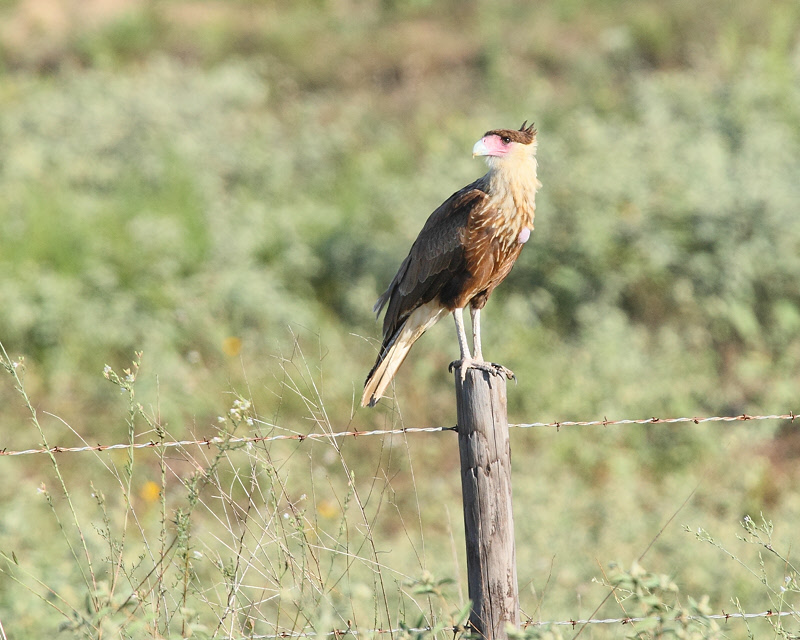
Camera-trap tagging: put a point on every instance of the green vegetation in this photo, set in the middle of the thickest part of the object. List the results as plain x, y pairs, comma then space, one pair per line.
227, 187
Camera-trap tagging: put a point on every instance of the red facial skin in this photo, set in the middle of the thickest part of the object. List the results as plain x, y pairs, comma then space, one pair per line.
492, 145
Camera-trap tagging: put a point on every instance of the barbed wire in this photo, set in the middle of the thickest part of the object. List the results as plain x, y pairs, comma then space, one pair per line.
225, 440
336, 633
324, 435
605, 423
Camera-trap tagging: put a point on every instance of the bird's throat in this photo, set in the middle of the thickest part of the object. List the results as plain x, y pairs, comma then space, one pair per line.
513, 185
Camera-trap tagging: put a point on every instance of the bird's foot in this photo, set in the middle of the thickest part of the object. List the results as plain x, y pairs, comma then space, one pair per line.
490, 367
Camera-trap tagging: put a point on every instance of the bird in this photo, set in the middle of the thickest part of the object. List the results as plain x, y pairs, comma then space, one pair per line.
465, 249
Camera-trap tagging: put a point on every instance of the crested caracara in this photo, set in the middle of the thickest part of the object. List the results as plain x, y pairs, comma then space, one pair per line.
466, 248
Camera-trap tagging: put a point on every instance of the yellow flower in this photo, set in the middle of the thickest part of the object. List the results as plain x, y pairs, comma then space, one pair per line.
150, 491
327, 509
232, 346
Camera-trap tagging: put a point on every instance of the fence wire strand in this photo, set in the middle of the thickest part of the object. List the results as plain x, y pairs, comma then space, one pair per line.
324, 435
340, 633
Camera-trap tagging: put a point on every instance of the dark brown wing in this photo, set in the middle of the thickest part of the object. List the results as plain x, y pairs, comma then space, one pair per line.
436, 261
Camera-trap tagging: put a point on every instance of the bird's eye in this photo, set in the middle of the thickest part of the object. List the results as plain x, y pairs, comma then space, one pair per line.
505, 139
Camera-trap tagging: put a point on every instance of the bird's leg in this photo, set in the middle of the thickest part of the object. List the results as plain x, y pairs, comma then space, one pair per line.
476, 362
495, 368
475, 314
466, 358
458, 315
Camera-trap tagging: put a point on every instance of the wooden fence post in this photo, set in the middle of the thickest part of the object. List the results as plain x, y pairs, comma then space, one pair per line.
486, 489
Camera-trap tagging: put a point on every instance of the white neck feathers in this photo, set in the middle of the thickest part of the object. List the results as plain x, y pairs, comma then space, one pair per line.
512, 185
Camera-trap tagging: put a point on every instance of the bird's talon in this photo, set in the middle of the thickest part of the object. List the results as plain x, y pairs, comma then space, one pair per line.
489, 367
461, 366
500, 370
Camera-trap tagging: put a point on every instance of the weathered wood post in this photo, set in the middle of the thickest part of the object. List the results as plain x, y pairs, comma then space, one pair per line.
486, 489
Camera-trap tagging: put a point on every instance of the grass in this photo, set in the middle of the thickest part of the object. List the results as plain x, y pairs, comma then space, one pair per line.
251, 539
217, 542
228, 188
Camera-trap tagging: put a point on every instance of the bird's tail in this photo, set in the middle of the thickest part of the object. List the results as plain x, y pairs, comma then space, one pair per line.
397, 348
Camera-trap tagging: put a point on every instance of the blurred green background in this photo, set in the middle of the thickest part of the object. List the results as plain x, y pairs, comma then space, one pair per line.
222, 184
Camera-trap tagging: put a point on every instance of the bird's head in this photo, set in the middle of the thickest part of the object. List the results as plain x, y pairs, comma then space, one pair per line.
500, 144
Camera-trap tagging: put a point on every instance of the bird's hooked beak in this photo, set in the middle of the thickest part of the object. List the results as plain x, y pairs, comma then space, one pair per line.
480, 149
